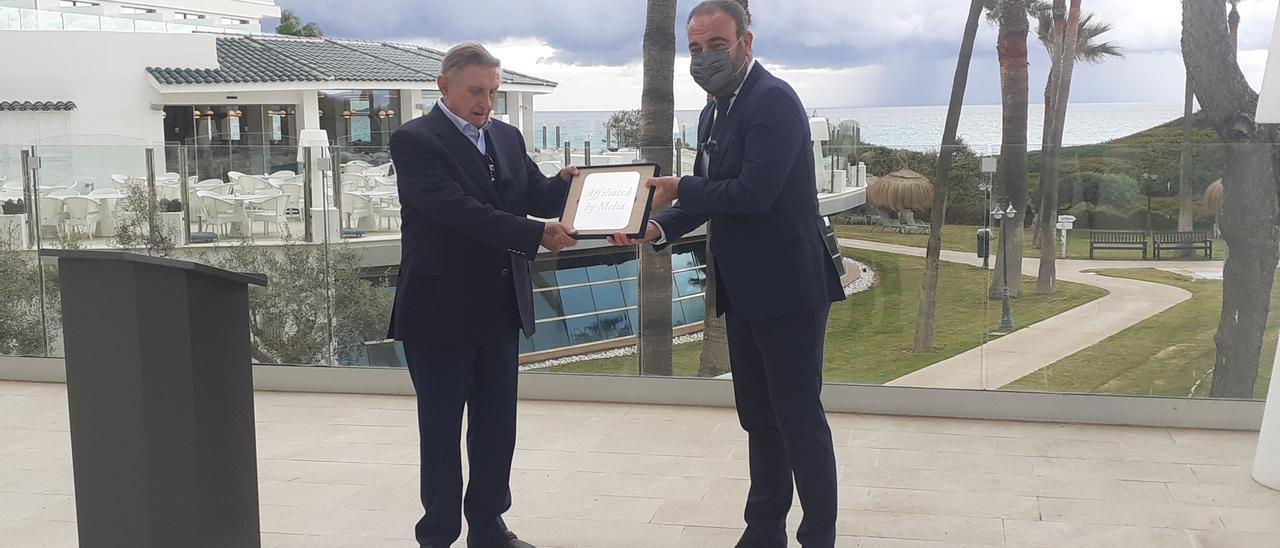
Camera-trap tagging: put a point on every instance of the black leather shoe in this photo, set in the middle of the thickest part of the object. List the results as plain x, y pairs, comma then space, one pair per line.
509, 540
744, 543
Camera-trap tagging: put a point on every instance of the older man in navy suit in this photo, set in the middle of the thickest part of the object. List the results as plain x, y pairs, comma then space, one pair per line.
754, 181
467, 188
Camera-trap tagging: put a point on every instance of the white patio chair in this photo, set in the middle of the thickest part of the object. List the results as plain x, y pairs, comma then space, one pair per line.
355, 166
168, 192
389, 209
253, 184
360, 181
51, 213
220, 212
294, 192
355, 208
270, 212
81, 213
378, 171
283, 173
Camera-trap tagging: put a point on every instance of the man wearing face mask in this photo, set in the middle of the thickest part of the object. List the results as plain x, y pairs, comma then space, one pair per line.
754, 182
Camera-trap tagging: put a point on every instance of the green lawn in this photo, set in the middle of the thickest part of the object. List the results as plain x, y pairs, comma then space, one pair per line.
870, 335
962, 238
1164, 355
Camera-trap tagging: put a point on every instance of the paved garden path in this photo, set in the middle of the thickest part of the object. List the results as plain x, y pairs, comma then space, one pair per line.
1006, 359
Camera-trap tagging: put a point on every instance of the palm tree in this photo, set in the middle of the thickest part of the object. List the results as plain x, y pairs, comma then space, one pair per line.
657, 121
714, 359
1082, 31
1088, 50
1249, 194
291, 25
929, 294
1011, 48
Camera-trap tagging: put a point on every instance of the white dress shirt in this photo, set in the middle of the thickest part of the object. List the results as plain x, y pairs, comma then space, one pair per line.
469, 130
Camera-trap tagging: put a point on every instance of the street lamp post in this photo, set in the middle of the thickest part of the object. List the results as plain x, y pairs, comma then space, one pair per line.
988, 171
1006, 309
1148, 188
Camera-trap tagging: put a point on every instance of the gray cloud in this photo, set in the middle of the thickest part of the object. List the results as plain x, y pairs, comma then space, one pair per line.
915, 41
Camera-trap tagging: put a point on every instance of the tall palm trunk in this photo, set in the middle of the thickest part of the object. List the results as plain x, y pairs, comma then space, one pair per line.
657, 122
1043, 226
1186, 205
714, 359
1249, 194
929, 293
1055, 48
1011, 48
1049, 172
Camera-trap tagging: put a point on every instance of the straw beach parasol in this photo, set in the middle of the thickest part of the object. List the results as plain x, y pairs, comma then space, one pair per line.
1212, 197
1213, 202
901, 190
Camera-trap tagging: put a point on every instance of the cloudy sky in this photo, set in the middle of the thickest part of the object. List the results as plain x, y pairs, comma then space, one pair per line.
837, 53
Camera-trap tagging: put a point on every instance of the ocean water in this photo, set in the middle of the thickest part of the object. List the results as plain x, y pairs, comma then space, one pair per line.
916, 128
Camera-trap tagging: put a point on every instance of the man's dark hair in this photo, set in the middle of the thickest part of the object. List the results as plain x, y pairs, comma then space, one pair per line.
729, 7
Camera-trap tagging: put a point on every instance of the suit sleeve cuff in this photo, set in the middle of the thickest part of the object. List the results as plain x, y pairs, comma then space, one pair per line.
662, 234
530, 239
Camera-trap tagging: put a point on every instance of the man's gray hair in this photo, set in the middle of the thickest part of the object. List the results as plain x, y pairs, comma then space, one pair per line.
730, 7
468, 54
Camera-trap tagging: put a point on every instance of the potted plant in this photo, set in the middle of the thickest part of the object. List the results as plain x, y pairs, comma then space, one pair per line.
171, 219
13, 223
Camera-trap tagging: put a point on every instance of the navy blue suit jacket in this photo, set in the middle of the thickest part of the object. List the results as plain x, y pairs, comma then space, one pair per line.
466, 242
760, 196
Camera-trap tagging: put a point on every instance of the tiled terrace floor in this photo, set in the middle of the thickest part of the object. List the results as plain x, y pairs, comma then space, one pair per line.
339, 470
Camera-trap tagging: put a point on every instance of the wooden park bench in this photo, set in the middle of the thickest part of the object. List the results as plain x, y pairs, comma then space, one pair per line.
1117, 239
1197, 240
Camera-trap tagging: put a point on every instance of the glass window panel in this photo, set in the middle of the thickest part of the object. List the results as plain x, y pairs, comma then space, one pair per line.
10, 19
629, 269
551, 335
150, 26
608, 296
577, 300
694, 309
682, 260
500, 104
614, 325
545, 278
688, 283
48, 20
631, 293
571, 276
78, 21
117, 24
677, 314
360, 128
583, 330
634, 317
526, 345
429, 99
602, 272
546, 304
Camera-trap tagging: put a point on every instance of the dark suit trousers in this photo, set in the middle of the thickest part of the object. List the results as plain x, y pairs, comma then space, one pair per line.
777, 384
483, 379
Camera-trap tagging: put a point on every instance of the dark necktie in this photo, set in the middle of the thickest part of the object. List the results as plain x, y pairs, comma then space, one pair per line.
722, 106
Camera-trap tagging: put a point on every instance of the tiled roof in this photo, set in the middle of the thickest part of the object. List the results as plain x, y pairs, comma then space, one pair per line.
259, 59
37, 105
